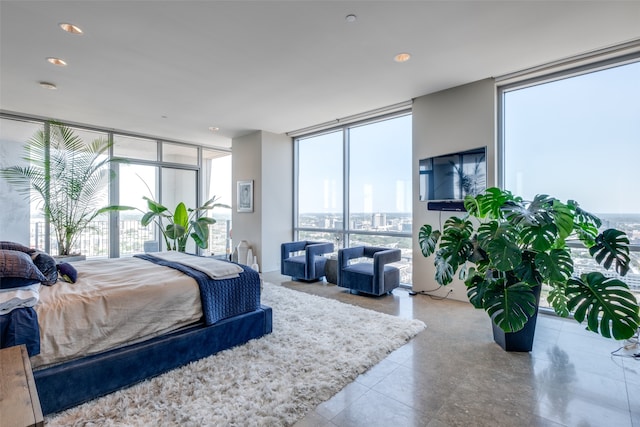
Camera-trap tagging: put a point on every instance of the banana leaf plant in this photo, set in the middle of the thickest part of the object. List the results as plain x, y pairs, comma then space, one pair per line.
177, 226
505, 247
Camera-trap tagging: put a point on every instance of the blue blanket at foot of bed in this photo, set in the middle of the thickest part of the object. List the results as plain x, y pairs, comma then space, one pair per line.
221, 299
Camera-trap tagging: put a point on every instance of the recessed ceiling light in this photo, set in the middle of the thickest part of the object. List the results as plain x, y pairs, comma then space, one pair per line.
350, 18
402, 57
48, 85
57, 61
70, 28
214, 128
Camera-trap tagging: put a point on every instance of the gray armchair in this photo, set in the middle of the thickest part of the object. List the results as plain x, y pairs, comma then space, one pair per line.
375, 278
306, 267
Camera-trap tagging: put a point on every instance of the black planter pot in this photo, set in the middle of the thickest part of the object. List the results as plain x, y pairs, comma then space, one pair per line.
521, 340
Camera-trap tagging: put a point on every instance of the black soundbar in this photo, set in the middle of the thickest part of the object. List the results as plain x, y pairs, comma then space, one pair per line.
446, 205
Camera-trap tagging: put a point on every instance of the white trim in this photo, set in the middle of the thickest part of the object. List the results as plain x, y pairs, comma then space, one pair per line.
577, 61
351, 119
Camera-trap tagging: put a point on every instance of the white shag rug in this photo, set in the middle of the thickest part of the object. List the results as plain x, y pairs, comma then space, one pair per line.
317, 347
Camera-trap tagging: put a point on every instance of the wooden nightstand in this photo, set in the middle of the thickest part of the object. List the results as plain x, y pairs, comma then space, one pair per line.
19, 403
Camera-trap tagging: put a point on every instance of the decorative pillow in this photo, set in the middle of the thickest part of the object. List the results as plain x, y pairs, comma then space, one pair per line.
13, 246
47, 266
17, 269
67, 272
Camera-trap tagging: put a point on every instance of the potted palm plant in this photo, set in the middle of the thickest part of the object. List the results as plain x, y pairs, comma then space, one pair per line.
506, 248
67, 177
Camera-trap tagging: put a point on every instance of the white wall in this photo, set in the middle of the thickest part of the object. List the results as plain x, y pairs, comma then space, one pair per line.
15, 212
276, 197
452, 120
267, 159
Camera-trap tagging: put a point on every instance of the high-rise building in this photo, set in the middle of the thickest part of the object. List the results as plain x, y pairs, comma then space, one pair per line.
378, 220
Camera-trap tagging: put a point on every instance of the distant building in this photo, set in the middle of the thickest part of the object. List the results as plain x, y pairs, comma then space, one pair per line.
378, 220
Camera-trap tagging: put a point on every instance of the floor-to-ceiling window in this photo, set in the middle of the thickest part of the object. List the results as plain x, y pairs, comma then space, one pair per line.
15, 223
168, 172
353, 186
216, 182
320, 168
577, 136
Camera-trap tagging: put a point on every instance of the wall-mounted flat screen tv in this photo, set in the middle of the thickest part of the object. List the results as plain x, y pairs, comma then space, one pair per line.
447, 179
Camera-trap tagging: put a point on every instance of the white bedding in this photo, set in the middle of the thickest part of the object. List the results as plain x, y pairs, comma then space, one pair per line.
214, 268
10, 299
114, 302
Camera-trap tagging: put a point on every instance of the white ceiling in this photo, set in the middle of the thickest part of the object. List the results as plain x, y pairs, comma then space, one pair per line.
174, 68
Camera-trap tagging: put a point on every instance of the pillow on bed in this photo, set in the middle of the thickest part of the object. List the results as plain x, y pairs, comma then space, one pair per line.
67, 272
13, 246
47, 266
17, 269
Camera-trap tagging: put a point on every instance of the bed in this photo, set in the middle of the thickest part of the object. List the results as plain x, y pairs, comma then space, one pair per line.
129, 319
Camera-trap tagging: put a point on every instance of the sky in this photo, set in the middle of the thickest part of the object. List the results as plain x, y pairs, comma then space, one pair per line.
380, 169
577, 138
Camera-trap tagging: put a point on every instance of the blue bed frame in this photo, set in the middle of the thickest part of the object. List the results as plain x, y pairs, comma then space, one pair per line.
72, 383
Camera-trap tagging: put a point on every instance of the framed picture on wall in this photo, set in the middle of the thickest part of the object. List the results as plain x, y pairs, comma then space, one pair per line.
245, 196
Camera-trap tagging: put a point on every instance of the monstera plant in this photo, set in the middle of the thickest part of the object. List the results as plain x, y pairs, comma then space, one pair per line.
506, 248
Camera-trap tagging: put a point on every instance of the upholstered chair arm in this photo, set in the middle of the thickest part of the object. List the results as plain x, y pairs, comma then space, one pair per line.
382, 256
313, 250
319, 248
386, 256
344, 255
287, 248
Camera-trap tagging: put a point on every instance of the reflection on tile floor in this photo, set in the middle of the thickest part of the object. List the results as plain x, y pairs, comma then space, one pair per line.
453, 374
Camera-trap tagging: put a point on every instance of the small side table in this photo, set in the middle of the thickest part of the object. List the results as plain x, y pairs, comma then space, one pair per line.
19, 402
331, 270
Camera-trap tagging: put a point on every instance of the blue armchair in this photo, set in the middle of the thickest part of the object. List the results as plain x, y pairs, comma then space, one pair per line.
307, 267
375, 278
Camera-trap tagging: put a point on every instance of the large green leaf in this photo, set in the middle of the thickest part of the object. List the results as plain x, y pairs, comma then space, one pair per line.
444, 269
563, 218
490, 203
558, 299
455, 241
206, 220
200, 233
175, 231
539, 237
536, 212
154, 206
499, 241
612, 247
147, 218
527, 271
585, 224
115, 208
477, 284
181, 216
554, 266
510, 306
607, 304
518, 214
428, 239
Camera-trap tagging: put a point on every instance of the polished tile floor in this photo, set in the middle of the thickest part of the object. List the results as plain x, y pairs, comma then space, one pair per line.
453, 374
